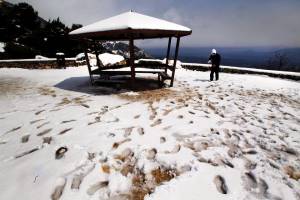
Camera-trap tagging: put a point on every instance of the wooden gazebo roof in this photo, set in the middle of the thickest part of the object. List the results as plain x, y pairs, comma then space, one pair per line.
131, 25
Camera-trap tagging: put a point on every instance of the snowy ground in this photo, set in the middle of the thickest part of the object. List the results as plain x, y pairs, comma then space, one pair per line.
238, 138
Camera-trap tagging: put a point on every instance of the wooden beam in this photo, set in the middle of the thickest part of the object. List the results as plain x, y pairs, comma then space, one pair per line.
128, 34
131, 59
97, 55
88, 65
168, 54
175, 61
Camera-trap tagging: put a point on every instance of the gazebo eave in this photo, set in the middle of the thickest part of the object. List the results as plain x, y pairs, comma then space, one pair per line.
127, 34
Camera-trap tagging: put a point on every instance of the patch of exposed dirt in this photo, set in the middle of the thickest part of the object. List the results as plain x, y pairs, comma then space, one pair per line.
142, 183
11, 85
151, 95
46, 91
181, 95
74, 101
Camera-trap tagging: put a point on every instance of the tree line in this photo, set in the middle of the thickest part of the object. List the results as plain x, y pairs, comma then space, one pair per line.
25, 34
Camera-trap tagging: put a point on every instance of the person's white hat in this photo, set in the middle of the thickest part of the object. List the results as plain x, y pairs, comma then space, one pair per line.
213, 51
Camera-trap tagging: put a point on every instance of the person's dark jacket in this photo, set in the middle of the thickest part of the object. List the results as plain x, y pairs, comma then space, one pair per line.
215, 60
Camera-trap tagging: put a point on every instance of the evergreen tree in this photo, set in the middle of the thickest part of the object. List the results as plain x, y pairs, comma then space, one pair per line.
26, 34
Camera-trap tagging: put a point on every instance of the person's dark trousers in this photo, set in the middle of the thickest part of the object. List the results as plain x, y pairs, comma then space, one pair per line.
216, 71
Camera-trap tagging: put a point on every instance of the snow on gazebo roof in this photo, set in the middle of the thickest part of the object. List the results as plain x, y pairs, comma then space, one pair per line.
131, 25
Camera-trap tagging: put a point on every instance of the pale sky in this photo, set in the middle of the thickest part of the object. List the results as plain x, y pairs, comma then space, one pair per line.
214, 22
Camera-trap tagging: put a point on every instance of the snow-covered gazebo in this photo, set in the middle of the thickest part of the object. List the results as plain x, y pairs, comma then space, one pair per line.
132, 26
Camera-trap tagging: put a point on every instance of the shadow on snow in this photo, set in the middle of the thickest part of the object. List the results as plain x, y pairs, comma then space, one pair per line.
116, 85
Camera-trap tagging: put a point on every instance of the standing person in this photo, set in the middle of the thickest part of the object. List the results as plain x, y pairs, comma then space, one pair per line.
215, 60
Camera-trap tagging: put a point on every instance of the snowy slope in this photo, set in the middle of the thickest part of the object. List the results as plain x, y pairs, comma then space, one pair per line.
237, 138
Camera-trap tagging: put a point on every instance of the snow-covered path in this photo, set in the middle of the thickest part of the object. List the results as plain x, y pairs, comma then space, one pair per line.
238, 138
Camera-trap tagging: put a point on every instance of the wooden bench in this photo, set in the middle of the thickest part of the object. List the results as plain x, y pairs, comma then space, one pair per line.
162, 75
119, 72
114, 70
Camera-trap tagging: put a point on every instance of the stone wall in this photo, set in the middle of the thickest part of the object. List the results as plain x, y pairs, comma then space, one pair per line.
36, 64
286, 75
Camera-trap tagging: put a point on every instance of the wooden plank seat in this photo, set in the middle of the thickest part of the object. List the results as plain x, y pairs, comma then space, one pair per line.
151, 65
98, 70
119, 72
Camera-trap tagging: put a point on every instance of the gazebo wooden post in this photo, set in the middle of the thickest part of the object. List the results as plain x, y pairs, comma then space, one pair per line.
168, 54
175, 61
131, 59
88, 65
97, 54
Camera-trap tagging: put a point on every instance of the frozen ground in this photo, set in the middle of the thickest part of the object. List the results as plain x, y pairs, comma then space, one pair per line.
238, 138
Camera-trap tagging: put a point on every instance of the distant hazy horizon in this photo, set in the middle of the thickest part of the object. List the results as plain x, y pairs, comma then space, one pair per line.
257, 57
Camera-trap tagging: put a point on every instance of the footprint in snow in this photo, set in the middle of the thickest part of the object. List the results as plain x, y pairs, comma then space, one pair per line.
13, 129
180, 116
47, 140
157, 122
64, 131
39, 112
25, 138
43, 124
162, 139
68, 121
249, 180
141, 130
137, 116
151, 154
58, 190
27, 152
78, 177
128, 131
220, 184
249, 165
175, 149
191, 112
117, 144
44, 132
60, 152
167, 128
35, 121
95, 187
3, 142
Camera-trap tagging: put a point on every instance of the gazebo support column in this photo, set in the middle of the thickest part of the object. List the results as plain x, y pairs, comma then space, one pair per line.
88, 65
97, 55
175, 61
131, 59
168, 54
